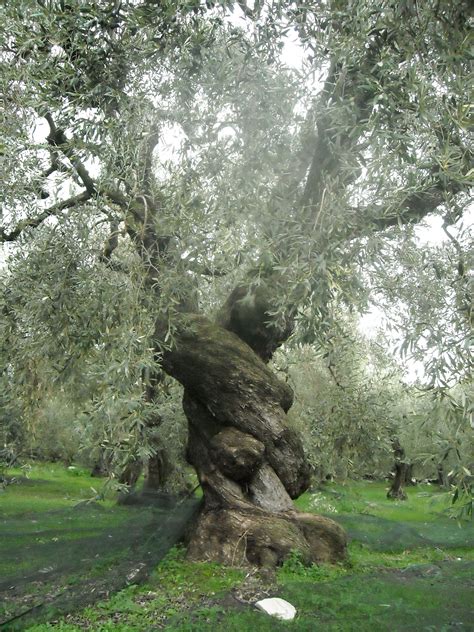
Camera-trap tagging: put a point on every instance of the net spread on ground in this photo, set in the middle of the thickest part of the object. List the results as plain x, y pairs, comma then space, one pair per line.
55, 562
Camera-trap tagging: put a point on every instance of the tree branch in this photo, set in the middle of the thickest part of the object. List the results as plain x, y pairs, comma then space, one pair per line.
344, 80
246, 10
412, 208
334, 377
151, 142
33, 222
57, 138
116, 197
111, 243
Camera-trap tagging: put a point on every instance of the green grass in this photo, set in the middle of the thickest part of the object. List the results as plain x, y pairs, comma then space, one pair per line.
39, 508
424, 503
186, 597
60, 487
388, 525
42, 527
409, 568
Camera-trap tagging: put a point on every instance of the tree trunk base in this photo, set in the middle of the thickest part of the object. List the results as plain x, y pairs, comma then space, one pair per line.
157, 472
402, 472
396, 494
259, 538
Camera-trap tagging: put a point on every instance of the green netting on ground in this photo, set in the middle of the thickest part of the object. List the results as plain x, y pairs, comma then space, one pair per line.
54, 562
419, 598
381, 534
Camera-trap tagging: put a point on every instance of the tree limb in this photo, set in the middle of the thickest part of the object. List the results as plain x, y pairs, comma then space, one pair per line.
411, 209
115, 196
111, 243
151, 142
303, 158
57, 138
334, 377
246, 10
343, 80
33, 222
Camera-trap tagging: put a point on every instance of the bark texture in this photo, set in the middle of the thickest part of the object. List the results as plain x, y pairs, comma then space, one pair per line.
401, 469
131, 473
158, 470
250, 463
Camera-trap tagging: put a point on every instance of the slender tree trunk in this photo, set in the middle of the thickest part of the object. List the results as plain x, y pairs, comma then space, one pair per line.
250, 463
129, 477
131, 473
157, 470
98, 470
409, 479
102, 464
443, 478
401, 469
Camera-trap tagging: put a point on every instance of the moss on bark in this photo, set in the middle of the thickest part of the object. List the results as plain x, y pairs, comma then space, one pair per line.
249, 462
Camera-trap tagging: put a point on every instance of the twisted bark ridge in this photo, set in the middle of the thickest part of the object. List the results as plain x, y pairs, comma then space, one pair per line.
249, 461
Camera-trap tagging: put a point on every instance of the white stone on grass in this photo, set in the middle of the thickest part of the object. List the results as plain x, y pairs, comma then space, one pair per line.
277, 607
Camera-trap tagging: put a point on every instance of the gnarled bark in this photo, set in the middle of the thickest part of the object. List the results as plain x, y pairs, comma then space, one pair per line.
246, 314
250, 463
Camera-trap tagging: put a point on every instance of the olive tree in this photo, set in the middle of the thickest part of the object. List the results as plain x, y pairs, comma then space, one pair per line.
251, 219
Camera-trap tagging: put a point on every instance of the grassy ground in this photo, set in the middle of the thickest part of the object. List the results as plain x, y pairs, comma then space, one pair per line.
46, 486
409, 567
39, 508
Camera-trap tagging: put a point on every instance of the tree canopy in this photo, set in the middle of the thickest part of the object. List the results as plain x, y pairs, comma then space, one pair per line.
244, 164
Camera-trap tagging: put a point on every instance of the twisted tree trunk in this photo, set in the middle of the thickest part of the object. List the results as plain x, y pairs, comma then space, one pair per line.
249, 461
